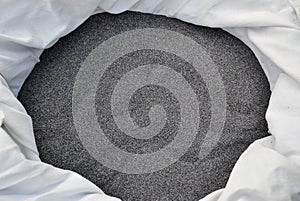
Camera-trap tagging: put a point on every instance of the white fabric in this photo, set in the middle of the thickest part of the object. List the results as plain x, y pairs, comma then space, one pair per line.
268, 170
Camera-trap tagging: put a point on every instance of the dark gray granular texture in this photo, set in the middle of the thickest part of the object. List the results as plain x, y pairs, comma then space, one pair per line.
47, 96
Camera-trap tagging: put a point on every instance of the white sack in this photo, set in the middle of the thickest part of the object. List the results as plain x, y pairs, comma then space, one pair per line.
269, 168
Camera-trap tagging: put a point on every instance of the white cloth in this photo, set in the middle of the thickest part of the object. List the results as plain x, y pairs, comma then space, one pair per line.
268, 170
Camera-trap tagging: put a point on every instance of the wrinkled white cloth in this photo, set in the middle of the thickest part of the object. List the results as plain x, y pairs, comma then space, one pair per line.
268, 170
